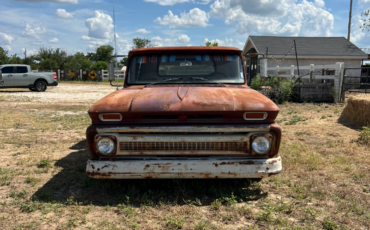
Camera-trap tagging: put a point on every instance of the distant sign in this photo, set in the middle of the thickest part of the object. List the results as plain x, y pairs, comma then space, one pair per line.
92, 75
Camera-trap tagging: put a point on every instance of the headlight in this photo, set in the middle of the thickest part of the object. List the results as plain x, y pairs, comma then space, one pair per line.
261, 145
105, 146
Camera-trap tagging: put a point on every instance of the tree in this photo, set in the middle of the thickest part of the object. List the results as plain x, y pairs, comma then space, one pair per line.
99, 65
78, 61
4, 59
103, 53
366, 20
52, 59
123, 61
141, 43
208, 43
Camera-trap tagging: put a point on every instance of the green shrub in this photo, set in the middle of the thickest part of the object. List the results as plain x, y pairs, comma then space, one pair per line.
364, 137
280, 91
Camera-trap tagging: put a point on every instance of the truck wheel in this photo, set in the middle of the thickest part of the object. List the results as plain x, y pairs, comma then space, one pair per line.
32, 89
40, 86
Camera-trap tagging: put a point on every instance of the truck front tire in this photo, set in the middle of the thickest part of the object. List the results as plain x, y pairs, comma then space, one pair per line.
40, 86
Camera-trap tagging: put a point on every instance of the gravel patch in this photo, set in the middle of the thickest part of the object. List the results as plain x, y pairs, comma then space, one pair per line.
63, 92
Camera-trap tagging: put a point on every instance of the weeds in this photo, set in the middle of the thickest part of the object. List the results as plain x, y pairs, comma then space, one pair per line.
44, 163
174, 223
364, 137
295, 119
201, 225
31, 180
329, 224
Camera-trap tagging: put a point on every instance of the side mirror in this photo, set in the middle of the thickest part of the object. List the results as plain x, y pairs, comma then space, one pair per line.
111, 72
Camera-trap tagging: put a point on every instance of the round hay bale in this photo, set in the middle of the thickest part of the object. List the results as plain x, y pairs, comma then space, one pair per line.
357, 110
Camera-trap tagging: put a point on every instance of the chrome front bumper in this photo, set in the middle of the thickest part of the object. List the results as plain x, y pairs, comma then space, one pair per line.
180, 167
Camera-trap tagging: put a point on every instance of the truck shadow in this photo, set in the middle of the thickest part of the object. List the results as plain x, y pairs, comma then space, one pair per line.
24, 91
72, 181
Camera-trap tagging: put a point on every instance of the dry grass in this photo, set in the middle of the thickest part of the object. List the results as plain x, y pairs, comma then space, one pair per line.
325, 183
357, 110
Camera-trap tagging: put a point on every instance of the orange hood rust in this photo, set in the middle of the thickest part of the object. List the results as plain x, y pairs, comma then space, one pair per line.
186, 100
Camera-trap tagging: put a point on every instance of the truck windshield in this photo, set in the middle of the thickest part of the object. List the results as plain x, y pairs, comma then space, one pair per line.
187, 68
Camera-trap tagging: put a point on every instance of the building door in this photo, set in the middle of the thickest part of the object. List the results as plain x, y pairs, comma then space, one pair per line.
253, 68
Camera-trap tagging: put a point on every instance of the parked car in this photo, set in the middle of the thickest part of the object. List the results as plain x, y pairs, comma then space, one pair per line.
184, 112
21, 76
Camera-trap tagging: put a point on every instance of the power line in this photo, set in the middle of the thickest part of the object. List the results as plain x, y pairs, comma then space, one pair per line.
282, 59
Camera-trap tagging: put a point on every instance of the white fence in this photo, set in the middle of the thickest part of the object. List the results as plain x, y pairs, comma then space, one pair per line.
338, 70
120, 74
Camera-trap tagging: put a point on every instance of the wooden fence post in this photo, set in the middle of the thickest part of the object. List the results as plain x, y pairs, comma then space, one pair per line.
292, 70
312, 76
58, 74
337, 81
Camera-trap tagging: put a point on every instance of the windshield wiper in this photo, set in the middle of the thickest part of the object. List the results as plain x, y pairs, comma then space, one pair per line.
203, 79
165, 80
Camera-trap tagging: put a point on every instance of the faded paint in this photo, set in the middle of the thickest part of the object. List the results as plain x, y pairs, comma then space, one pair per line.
184, 168
202, 116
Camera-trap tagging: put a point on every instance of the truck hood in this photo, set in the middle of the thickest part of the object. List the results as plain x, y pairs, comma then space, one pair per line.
186, 99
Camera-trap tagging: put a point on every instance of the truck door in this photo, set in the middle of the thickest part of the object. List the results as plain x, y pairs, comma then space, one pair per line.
8, 76
21, 77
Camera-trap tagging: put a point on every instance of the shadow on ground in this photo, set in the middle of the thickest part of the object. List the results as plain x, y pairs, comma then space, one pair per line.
344, 121
24, 91
72, 181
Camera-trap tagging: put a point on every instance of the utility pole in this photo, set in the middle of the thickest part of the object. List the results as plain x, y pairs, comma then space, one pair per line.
349, 23
25, 53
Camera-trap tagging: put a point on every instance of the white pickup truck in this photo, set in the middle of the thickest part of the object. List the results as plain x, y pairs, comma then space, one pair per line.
21, 76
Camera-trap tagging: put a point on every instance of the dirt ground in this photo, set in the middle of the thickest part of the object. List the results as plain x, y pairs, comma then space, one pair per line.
325, 183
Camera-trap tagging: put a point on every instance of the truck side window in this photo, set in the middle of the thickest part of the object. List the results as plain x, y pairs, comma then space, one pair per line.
22, 69
9, 69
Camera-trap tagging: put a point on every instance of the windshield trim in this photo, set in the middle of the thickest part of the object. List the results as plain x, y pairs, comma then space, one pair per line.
132, 58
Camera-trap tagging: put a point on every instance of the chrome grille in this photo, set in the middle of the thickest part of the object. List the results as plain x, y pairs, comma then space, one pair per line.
184, 146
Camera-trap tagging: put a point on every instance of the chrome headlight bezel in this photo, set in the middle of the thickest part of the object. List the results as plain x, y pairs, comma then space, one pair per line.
262, 139
106, 145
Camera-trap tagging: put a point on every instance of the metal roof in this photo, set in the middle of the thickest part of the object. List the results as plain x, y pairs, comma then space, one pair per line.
306, 46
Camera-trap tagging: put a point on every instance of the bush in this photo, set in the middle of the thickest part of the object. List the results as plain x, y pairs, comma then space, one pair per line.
364, 137
280, 91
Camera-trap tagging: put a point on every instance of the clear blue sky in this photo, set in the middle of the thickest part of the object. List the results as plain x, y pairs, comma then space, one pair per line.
82, 25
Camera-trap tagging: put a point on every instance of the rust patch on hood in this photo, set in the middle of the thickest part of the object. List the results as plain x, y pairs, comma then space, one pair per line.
182, 92
174, 99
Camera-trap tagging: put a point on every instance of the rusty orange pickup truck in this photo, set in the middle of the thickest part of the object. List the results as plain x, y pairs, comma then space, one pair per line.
184, 112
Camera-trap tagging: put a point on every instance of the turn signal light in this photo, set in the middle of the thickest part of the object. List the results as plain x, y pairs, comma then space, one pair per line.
110, 117
55, 76
255, 116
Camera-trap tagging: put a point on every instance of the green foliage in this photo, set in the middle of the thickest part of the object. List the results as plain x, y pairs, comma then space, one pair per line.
201, 225
208, 43
141, 43
99, 65
44, 163
4, 59
103, 53
329, 224
51, 59
365, 20
295, 119
174, 223
280, 91
364, 136
123, 62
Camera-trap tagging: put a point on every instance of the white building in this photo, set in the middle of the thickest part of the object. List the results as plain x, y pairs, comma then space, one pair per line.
280, 51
